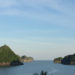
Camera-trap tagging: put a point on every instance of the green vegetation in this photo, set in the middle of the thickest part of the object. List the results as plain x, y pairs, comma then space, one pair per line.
70, 59
67, 60
7, 55
42, 73
58, 60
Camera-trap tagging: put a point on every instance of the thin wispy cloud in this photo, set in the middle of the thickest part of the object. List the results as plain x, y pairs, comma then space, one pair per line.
48, 10
38, 25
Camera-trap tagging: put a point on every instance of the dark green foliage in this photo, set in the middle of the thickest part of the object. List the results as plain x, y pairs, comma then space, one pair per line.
25, 57
67, 60
70, 59
42, 73
7, 55
58, 59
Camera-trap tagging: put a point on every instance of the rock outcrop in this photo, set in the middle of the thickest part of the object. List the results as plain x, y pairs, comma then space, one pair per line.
58, 60
26, 59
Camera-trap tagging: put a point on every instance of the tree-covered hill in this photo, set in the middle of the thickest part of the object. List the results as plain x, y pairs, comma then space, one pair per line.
67, 60
8, 57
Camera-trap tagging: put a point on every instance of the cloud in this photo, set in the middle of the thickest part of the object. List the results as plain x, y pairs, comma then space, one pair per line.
58, 5
58, 12
35, 39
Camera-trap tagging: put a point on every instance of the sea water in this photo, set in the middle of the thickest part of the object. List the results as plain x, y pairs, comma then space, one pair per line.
37, 66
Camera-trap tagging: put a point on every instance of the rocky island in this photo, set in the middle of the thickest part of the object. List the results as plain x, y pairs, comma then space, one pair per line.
26, 59
58, 60
67, 60
8, 57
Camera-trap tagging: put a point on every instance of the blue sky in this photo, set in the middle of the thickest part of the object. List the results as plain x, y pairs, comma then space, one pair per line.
43, 29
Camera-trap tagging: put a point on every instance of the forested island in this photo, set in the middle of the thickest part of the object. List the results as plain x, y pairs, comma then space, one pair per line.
58, 60
67, 60
8, 57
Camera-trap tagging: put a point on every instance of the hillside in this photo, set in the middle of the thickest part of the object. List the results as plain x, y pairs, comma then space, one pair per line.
67, 60
7, 56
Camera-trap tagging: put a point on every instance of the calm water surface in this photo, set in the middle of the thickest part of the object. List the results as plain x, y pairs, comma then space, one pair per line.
37, 66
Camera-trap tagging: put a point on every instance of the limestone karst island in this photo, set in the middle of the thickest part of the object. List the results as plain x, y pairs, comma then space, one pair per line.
9, 58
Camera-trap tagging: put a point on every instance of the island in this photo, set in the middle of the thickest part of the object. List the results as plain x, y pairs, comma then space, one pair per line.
26, 59
8, 57
58, 60
67, 60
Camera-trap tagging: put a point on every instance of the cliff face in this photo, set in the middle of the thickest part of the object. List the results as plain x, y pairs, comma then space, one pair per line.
5, 64
58, 60
26, 59
7, 56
